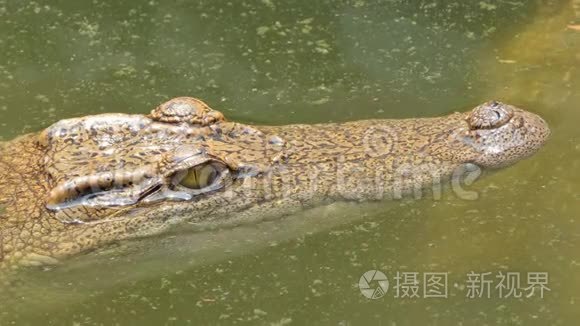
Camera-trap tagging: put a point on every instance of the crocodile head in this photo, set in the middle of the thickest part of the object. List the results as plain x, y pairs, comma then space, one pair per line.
84, 182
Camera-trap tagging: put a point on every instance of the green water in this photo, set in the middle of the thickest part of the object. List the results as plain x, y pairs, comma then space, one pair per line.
277, 62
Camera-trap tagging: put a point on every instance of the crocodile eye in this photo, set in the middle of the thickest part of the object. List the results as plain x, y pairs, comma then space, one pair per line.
201, 176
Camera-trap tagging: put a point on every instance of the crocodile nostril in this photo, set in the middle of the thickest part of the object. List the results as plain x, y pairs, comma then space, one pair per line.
489, 115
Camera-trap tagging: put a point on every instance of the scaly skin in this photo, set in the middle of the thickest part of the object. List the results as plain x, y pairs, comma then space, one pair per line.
83, 183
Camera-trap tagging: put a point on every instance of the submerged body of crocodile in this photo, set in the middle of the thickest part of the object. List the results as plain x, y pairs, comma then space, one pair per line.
86, 182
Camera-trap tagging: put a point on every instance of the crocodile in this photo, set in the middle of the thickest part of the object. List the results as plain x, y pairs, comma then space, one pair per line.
86, 182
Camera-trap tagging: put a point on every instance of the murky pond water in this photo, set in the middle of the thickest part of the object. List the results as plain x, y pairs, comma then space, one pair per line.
278, 62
